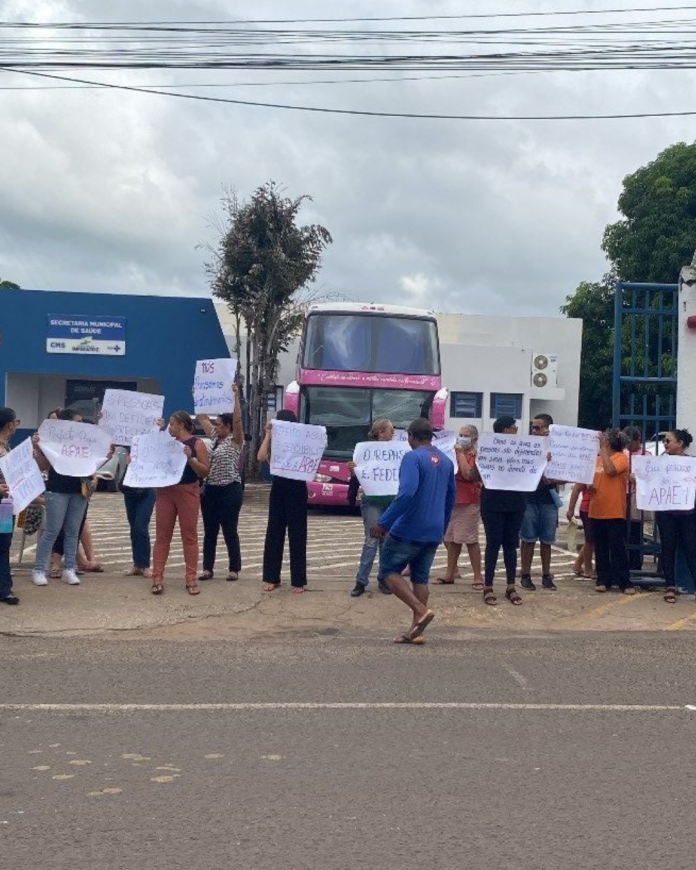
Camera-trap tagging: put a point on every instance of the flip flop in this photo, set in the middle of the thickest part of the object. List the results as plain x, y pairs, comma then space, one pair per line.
421, 625
193, 589
440, 581
404, 638
157, 589
478, 585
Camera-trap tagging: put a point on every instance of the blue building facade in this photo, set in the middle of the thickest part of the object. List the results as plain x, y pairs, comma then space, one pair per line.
62, 349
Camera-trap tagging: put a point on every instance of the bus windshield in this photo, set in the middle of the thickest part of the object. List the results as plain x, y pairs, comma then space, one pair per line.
371, 343
348, 412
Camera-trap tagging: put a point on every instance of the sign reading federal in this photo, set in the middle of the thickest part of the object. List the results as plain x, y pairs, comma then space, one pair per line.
76, 333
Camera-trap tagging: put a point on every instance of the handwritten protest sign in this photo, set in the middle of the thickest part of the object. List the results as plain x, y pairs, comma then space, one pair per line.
443, 439
665, 483
377, 465
296, 449
22, 475
512, 462
157, 460
74, 449
212, 386
126, 413
573, 454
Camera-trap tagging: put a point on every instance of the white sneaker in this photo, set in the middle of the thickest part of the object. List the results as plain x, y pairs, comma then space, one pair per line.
39, 578
71, 578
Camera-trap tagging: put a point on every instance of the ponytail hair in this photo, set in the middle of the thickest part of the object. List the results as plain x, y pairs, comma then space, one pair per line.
183, 418
377, 428
684, 436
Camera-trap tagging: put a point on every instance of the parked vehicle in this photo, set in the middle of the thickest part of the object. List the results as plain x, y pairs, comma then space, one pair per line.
110, 475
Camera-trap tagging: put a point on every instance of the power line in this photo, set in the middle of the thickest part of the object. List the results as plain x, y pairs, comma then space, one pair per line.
359, 112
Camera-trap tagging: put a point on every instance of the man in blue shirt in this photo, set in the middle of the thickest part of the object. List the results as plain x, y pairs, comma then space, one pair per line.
415, 522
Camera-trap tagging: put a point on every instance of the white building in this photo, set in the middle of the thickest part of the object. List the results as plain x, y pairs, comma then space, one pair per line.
488, 365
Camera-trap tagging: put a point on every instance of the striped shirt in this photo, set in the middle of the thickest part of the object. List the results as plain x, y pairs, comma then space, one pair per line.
224, 462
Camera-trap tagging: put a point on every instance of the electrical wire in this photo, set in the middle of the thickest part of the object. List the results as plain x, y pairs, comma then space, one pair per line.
360, 112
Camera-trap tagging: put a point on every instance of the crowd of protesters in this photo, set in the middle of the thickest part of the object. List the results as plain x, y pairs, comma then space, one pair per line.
436, 503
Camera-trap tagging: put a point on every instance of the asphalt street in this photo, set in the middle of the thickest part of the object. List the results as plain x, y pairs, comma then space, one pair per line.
334, 751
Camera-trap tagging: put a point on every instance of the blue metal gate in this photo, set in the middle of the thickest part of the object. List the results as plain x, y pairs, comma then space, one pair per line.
646, 329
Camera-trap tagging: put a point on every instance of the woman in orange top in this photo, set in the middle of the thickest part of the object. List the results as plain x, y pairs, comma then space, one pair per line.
608, 513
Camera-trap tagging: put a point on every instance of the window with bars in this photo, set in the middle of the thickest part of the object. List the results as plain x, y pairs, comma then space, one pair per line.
506, 404
466, 405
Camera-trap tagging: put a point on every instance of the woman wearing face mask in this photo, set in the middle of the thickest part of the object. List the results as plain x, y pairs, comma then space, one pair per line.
181, 501
677, 528
463, 528
371, 507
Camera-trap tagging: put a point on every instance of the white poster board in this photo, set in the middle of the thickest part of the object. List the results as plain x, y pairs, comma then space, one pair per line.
445, 441
22, 475
377, 465
74, 449
511, 462
212, 386
296, 449
573, 454
126, 413
665, 483
156, 460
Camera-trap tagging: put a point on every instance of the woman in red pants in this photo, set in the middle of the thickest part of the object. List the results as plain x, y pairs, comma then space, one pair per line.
182, 501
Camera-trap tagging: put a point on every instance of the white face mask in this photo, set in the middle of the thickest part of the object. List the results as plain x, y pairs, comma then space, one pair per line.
464, 441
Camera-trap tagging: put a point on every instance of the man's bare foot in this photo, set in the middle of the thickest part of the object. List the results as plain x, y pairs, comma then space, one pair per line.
297, 590
271, 587
405, 638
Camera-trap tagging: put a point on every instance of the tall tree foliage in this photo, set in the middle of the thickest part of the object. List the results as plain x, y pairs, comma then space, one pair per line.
265, 260
8, 285
657, 234
654, 238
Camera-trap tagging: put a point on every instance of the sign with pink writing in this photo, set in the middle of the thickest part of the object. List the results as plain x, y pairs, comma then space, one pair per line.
315, 377
74, 449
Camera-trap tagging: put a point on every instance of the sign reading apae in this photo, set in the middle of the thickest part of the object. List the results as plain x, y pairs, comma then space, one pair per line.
296, 449
665, 483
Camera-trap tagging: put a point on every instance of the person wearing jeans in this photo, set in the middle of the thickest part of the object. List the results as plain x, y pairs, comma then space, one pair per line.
66, 500
139, 504
371, 508
181, 501
8, 426
221, 500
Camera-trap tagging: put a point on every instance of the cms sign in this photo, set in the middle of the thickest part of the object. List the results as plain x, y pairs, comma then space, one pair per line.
57, 345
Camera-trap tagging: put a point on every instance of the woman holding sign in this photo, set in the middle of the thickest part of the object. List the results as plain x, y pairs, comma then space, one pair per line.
181, 501
287, 513
8, 426
608, 513
221, 501
677, 528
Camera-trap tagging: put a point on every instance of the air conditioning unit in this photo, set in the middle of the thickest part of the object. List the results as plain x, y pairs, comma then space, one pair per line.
544, 371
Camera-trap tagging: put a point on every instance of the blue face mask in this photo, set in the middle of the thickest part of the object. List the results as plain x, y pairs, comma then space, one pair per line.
464, 441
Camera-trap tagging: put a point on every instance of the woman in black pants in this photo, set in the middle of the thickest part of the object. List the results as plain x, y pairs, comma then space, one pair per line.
502, 512
677, 528
287, 510
221, 500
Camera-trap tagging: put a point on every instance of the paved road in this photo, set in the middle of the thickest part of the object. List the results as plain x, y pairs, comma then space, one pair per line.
386, 781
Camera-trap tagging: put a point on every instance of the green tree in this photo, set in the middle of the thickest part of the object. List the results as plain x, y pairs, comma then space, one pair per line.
594, 304
264, 262
9, 285
657, 234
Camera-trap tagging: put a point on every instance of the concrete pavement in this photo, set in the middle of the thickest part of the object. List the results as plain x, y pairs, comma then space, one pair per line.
112, 603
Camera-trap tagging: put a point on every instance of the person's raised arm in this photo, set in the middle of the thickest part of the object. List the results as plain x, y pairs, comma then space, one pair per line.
41, 461
605, 455
206, 425
237, 425
264, 454
466, 468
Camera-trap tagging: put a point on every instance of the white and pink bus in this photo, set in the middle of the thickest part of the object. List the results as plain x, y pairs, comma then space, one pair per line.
358, 363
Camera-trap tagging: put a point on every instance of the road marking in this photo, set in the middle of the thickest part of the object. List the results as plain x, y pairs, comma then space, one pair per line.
518, 678
334, 705
596, 612
682, 623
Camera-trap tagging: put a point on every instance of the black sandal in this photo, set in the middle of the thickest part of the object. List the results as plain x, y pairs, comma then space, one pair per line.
513, 596
670, 595
489, 597
157, 589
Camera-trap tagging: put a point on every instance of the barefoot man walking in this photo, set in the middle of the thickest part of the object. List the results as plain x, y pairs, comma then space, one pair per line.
415, 523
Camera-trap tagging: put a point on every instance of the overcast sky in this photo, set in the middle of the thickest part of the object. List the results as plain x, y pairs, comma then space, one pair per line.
112, 191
